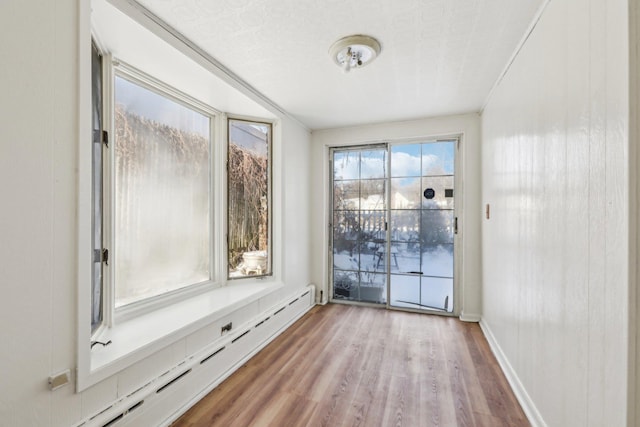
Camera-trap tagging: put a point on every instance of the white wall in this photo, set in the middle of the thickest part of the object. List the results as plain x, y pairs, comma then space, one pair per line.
37, 183
634, 217
39, 82
469, 225
555, 251
295, 212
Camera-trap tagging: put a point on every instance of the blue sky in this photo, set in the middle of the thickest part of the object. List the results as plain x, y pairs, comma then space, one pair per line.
407, 160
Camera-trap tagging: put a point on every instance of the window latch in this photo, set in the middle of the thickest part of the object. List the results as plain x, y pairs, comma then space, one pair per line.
455, 225
101, 255
101, 137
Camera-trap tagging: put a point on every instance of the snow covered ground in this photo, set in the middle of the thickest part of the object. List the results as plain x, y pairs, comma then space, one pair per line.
416, 280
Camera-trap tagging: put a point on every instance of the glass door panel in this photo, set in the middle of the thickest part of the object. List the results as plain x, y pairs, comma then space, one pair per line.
359, 265
422, 225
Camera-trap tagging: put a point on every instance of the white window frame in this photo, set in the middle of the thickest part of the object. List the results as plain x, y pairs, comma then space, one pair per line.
270, 258
112, 68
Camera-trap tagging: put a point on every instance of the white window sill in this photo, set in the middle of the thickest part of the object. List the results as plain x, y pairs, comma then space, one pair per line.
137, 338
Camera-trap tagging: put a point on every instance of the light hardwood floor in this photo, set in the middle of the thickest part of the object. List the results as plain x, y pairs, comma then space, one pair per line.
355, 366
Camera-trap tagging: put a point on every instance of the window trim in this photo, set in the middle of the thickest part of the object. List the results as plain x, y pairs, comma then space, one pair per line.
112, 68
270, 244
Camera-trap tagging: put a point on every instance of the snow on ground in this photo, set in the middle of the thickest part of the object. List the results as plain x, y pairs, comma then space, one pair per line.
407, 290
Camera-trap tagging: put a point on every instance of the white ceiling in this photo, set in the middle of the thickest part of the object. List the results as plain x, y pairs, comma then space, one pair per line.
438, 56
118, 34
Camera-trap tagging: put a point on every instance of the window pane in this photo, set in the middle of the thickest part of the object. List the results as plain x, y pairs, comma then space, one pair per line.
436, 293
405, 226
437, 260
405, 257
346, 165
372, 287
373, 164
346, 195
438, 158
405, 160
346, 226
249, 199
405, 193
436, 227
345, 284
405, 290
161, 199
372, 194
441, 192
372, 225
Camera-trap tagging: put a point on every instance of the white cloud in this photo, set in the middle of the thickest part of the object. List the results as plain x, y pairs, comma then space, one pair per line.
404, 164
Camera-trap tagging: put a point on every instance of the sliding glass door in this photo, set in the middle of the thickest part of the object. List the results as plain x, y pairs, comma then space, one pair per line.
393, 225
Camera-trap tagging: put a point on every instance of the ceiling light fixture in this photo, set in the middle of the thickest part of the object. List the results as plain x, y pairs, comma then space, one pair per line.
354, 51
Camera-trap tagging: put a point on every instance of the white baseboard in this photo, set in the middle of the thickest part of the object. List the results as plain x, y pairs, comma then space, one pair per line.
528, 406
470, 317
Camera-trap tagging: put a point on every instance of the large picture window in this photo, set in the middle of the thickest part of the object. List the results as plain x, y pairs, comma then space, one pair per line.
161, 200
152, 194
249, 199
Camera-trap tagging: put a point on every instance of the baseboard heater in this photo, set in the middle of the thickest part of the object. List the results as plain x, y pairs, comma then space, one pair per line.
170, 383
123, 414
209, 357
126, 412
120, 412
240, 336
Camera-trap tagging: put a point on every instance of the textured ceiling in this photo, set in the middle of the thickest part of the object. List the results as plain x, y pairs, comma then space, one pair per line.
438, 56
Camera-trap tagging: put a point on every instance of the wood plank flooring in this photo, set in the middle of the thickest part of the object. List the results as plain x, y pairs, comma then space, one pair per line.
356, 366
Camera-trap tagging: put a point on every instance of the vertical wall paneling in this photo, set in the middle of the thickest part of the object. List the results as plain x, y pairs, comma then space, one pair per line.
633, 399
597, 237
575, 357
555, 251
617, 204
65, 403
28, 200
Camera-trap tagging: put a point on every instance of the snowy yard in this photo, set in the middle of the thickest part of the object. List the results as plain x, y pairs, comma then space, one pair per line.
416, 280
